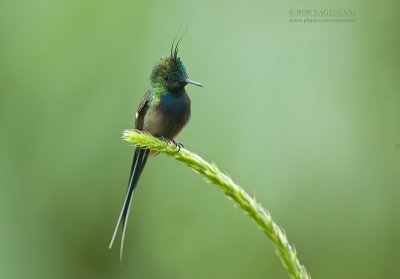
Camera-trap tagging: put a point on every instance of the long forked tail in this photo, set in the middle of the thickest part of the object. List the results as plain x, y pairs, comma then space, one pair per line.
139, 160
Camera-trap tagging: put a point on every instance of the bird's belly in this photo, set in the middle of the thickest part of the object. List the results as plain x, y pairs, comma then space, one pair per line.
169, 117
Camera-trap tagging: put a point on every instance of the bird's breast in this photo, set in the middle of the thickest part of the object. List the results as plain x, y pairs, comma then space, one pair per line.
169, 116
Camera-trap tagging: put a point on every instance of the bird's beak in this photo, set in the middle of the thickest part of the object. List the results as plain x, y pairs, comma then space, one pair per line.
194, 82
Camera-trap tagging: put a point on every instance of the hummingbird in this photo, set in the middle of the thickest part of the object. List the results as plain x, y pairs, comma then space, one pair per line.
163, 112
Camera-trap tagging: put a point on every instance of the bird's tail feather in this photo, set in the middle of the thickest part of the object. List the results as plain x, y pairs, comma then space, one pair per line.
139, 160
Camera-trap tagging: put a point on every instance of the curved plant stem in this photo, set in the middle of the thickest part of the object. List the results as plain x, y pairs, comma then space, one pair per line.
261, 216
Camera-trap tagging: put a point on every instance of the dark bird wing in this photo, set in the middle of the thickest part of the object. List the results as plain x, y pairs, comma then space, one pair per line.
142, 110
139, 161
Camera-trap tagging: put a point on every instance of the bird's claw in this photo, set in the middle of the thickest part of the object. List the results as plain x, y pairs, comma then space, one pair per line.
165, 140
177, 145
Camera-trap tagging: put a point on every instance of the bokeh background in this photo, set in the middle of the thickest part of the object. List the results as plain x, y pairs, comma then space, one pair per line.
305, 116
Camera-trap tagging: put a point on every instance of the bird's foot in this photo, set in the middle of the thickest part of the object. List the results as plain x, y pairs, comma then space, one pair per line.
166, 140
177, 145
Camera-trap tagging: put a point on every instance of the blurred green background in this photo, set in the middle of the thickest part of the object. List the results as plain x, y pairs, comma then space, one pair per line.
304, 116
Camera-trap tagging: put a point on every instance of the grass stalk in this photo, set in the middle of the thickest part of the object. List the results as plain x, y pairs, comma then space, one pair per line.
211, 173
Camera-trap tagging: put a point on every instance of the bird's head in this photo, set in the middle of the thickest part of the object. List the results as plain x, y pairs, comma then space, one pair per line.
170, 73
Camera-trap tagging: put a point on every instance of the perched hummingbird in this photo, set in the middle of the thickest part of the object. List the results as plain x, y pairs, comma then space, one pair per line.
163, 112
